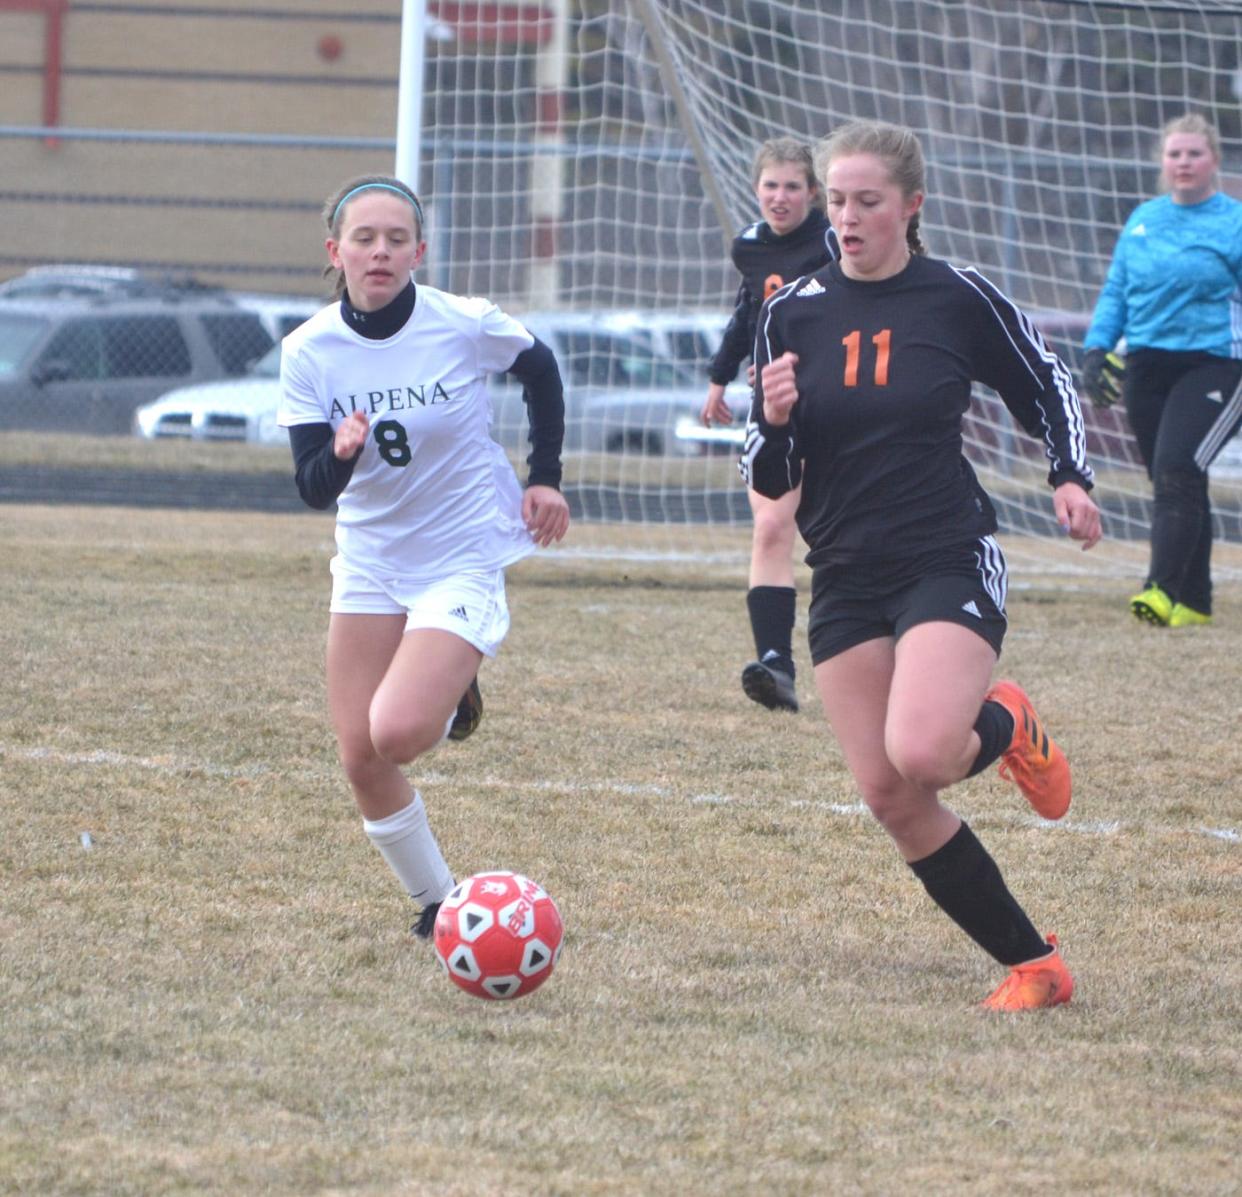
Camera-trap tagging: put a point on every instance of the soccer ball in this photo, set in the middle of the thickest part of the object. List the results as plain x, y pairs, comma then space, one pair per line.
498, 935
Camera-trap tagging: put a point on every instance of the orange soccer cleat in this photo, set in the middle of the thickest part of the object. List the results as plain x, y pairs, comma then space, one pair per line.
1035, 985
1033, 762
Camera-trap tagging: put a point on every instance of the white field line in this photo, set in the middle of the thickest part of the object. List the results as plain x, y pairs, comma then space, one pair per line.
100, 756
174, 765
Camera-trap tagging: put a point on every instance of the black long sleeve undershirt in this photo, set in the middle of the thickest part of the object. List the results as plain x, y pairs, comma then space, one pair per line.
536, 369
320, 475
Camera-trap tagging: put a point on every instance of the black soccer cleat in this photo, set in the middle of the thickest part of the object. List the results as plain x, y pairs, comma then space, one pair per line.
426, 925
469, 713
770, 686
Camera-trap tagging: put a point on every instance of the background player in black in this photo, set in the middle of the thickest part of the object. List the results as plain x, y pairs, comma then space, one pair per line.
793, 238
865, 371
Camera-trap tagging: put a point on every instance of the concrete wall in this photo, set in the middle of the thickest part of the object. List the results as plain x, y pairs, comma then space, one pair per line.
236, 215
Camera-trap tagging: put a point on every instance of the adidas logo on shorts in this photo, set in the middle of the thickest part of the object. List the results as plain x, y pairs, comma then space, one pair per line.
970, 609
460, 613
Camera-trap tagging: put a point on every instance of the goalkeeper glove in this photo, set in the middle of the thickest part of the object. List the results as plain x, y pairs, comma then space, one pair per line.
1103, 372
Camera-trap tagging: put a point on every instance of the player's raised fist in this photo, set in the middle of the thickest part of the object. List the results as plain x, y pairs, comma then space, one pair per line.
780, 388
351, 435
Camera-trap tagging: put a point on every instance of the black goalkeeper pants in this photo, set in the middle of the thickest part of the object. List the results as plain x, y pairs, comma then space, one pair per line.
1183, 407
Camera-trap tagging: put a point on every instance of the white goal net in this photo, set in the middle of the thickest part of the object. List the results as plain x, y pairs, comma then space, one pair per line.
596, 189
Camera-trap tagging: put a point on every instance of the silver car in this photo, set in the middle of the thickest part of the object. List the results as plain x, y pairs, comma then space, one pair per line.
236, 409
84, 364
625, 392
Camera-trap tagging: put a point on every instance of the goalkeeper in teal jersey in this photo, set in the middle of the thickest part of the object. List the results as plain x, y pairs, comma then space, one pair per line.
1174, 291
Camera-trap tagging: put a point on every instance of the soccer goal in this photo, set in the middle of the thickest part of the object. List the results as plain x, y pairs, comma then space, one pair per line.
599, 188
608, 171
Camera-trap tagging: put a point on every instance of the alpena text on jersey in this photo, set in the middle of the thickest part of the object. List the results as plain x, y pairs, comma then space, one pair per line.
884, 379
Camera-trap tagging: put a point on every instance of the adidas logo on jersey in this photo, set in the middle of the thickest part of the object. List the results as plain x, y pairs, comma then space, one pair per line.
970, 609
1139, 230
1214, 397
814, 287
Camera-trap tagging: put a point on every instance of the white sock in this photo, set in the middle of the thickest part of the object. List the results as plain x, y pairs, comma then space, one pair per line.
406, 843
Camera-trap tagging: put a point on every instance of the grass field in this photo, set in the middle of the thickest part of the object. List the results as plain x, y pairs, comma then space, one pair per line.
216, 993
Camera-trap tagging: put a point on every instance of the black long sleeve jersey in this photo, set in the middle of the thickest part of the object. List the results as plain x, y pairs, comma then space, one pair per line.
766, 263
884, 379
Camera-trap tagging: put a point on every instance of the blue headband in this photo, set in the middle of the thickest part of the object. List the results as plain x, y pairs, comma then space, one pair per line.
405, 195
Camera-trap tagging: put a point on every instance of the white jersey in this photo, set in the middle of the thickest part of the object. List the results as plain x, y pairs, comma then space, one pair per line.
432, 494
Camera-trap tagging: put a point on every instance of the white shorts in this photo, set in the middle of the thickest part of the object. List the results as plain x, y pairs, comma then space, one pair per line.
470, 604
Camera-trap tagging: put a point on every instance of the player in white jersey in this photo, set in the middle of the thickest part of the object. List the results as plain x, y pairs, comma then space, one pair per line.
385, 398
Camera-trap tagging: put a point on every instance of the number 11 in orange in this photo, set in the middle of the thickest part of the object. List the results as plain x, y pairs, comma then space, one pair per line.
852, 344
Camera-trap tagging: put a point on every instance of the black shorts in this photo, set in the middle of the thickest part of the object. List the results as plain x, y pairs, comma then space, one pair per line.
963, 584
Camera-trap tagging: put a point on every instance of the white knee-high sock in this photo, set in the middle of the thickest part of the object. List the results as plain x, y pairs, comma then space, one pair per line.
406, 843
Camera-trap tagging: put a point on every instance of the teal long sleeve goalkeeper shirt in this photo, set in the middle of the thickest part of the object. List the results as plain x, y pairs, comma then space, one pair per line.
1175, 281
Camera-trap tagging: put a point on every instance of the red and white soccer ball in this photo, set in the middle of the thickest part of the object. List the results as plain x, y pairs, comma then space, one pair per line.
498, 935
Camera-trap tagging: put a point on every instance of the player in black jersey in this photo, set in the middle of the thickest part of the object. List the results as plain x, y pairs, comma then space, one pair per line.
864, 374
793, 238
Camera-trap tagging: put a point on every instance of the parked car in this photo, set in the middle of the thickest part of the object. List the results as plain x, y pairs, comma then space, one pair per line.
624, 389
688, 338
85, 363
280, 314
70, 281
234, 409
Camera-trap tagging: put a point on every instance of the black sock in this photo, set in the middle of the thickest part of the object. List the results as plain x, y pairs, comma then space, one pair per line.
995, 728
965, 883
772, 611
1180, 508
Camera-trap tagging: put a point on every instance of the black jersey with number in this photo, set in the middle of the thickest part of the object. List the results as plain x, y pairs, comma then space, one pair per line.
884, 379
766, 263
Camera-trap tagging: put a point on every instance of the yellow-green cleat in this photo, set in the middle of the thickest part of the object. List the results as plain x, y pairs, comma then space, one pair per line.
1152, 606
1183, 616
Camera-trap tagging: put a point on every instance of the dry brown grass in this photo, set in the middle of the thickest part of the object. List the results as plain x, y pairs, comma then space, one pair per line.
219, 996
